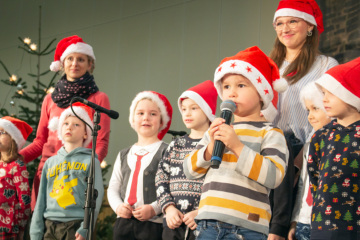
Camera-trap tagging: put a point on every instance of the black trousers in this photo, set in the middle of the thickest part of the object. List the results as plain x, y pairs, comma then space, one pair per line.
178, 233
133, 229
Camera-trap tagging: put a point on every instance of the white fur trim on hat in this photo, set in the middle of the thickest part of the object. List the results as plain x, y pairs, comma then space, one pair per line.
312, 93
55, 66
334, 86
79, 47
55, 124
14, 132
199, 101
150, 95
289, 12
250, 72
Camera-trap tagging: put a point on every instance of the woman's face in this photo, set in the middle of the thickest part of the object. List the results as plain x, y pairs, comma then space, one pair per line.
76, 65
292, 31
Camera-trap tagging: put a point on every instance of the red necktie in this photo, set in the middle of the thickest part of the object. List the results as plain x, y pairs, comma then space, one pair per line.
309, 199
132, 196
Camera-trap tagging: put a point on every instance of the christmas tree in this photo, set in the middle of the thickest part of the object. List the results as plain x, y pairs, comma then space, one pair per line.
348, 216
346, 139
318, 217
354, 164
334, 188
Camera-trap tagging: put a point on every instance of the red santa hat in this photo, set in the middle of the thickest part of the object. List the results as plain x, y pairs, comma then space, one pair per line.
343, 81
17, 129
66, 46
253, 64
83, 111
205, 95
308, 10
162, 102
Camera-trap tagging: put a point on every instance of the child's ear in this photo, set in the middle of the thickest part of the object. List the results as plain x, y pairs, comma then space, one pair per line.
85, 135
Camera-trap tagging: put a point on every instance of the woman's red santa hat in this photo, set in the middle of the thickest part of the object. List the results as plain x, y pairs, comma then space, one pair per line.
162, 102
66, 46
308, 10
83, 111
205, 95
261, 70
17, 129
343, 81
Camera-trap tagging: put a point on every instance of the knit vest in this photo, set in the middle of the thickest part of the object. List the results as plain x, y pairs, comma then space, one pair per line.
149, 190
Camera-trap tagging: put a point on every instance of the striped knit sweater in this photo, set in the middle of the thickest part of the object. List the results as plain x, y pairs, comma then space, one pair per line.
237, 192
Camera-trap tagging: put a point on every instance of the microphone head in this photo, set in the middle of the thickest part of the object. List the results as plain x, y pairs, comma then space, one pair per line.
228, 105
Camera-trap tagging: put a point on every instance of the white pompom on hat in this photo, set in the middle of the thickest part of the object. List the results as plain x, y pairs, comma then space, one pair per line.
253, 64
83, 111
162, 102
308, 10
205, 95
66, 46
343, 81
17, 129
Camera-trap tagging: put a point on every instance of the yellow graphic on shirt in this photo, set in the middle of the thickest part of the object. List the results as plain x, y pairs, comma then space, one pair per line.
62, 191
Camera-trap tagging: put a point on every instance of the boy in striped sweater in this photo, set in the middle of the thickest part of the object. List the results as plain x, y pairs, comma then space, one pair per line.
234, 201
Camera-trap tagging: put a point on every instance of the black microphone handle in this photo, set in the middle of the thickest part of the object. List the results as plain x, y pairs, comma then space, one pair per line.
219, 146
112, 114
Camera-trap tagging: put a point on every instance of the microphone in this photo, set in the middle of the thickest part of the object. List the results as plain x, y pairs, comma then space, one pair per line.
112, 114
176, 133
227, 108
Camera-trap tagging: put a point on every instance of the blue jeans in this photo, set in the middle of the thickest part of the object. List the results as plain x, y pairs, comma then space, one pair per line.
216, 230
302, 231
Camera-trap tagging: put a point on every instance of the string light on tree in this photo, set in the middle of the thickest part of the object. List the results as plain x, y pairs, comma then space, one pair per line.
33, 46
27, 41
49, 90
13, 78
12, 103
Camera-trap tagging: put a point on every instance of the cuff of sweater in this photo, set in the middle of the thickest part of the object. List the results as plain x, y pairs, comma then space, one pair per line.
279, 230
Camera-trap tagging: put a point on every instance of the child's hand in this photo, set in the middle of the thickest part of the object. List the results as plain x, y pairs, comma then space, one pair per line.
189, 219
124, 210
144, 212
79, 237
174, 217
227, 135
212, 129
291, 234
275, 237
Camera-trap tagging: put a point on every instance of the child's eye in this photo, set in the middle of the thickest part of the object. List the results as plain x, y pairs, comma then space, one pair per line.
226, 87
194, 108
153, 114
76, 124
241, 85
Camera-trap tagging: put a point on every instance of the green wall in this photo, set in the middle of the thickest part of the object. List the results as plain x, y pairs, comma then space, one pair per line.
161, 45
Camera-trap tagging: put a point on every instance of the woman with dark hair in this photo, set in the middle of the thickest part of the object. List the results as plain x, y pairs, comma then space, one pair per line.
76, 60
298, 25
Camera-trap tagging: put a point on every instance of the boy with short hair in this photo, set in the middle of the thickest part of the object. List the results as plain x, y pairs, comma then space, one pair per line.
333, 162
132, 192
178, 196
59, 211
234, 201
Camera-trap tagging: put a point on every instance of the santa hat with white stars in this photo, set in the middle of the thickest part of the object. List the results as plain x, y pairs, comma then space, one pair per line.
66, 46
253, 64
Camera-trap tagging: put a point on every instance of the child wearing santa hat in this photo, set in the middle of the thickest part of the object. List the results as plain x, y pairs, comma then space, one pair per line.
234, 200
14, 184
131, 192
59, 211
311, 99
179, 204
334, 152
77, 60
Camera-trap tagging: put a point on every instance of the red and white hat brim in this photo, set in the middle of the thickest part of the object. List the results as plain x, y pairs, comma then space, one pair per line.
155, 98
250, 72
199, 101
334, 86
14, 132
55, 124
289, 12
